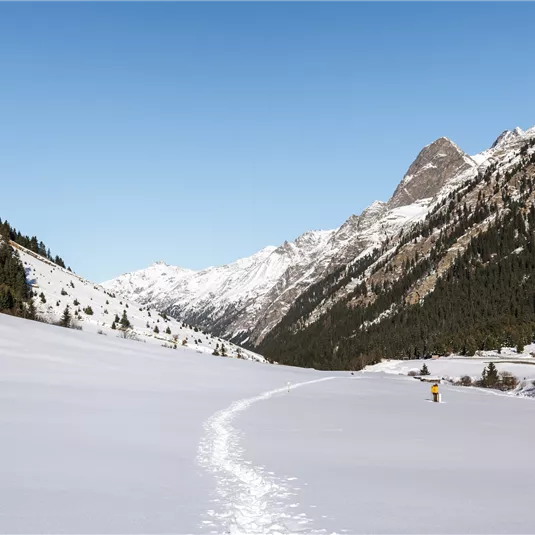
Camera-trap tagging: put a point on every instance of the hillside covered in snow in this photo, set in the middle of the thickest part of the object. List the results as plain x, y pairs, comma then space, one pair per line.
55, 291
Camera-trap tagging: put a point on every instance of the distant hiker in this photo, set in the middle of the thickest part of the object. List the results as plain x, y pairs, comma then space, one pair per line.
434, 391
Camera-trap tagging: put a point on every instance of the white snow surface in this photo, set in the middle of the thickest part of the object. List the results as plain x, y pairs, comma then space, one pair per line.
105, 435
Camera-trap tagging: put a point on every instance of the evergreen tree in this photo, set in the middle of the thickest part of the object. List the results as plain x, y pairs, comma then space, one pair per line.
490, 377
424, 370
125, 322
156, 330
168, 330
66, 318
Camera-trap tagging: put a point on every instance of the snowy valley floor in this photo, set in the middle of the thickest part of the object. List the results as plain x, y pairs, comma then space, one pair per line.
105, 435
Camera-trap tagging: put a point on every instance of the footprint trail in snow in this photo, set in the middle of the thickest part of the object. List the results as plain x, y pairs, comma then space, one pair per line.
250, 500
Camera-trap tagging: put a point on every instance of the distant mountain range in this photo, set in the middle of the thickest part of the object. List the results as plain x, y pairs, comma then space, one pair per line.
251, 294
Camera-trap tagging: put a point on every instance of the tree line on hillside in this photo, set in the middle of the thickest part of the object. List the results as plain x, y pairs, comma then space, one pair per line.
33, 244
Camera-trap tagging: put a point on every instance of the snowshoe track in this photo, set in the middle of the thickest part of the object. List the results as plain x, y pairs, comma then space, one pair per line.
250, 500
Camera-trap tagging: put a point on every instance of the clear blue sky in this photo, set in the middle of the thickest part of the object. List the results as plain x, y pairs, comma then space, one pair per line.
200, 133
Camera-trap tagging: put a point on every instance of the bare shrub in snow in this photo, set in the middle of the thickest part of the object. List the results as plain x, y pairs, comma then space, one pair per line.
465, 380
127, 334
508, 381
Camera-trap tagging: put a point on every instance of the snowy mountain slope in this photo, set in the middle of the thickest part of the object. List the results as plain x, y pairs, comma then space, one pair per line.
408, 297
246, 299
60, 288
102, 435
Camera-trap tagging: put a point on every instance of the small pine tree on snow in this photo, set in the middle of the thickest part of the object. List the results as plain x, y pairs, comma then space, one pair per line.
72, 283
168, 331
88, 310
185, 342
156, 330
148, 326
107, 302
42, 297
113, 326
125, 322
216, 353
63, 292
424, 370
66, 318
490, 377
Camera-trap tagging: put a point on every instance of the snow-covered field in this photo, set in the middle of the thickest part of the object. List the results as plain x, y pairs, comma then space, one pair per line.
104, 435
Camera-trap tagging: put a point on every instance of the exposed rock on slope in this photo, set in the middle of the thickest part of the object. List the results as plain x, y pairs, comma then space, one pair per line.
434, 166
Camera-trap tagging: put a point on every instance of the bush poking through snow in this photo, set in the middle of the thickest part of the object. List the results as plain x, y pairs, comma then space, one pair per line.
127, 334
508, 381
466, 380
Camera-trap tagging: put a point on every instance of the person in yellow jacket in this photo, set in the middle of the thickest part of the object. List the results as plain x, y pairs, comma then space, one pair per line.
434, 391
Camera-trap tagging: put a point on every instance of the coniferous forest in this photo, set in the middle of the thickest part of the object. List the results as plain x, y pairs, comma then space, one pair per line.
485, 299
15, 293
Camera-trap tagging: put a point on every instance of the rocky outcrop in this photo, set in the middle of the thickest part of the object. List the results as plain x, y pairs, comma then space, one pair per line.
435, 164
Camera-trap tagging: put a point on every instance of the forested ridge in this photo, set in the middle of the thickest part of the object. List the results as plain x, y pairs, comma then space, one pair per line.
462, 280
15, 292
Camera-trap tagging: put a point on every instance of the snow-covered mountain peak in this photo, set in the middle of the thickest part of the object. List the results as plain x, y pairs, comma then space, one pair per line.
507, 136
507, 141
375, 208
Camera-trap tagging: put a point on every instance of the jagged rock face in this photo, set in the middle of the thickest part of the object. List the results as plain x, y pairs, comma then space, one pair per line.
435, 164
